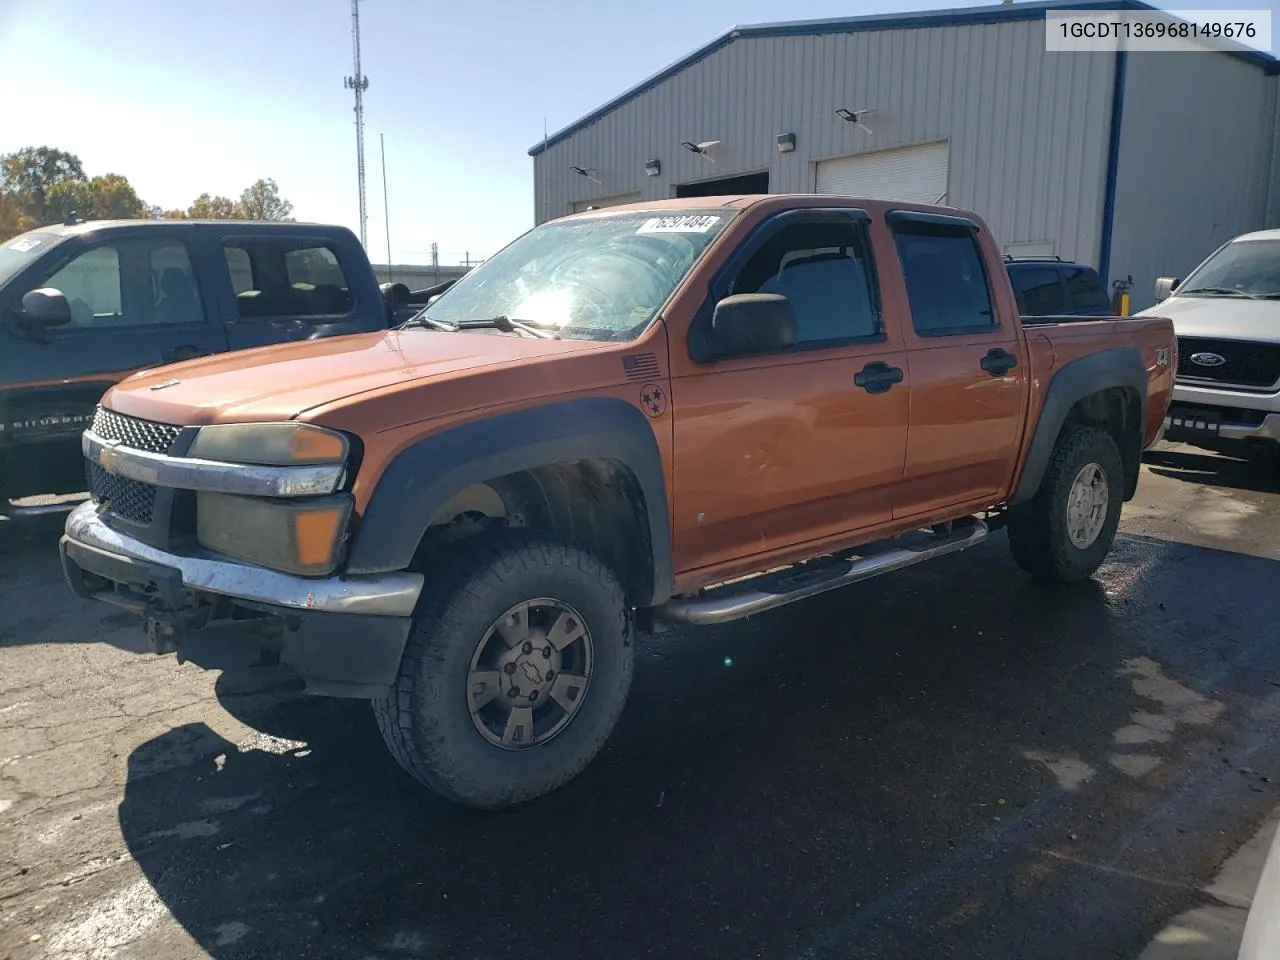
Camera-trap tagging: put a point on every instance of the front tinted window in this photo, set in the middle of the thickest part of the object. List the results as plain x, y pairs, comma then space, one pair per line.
130, 283
946, 281
1038, 290
91, 283
824, 271
1085, 289
1243, 268
601, 277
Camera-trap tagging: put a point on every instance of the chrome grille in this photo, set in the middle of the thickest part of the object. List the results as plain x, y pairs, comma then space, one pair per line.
1244, 362
128, 499
132, 432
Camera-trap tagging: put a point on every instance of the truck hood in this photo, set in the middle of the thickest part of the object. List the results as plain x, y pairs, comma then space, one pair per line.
280, 382
1221, 317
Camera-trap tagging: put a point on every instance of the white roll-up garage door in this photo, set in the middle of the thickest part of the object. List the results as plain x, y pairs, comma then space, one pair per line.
913, 174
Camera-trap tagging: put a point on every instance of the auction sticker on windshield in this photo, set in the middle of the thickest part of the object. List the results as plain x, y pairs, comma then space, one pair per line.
689, 223
25, 244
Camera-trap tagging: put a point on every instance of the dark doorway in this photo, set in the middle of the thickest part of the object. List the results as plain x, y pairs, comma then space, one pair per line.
725, 186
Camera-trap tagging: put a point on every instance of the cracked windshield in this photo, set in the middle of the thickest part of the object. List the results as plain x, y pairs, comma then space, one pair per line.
747, 479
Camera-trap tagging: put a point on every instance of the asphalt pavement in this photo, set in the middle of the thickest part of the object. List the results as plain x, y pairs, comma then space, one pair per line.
947, 762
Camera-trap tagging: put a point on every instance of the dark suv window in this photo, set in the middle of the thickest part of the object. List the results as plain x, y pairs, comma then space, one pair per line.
287, 279
824, 270
946, 281
1058, 290
1085, 290
1038, 289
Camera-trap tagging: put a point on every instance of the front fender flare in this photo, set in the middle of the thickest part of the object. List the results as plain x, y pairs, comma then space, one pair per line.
426, 474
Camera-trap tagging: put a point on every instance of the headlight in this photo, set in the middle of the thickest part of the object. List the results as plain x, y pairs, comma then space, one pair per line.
270, 444
296, 536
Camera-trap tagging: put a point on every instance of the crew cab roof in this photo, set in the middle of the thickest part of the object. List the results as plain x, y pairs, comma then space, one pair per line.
230, 226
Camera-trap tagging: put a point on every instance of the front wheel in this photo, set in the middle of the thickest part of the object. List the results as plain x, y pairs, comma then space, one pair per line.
516, 671
1065, 531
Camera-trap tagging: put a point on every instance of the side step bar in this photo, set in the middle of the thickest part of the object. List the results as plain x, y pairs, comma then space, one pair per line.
746, 598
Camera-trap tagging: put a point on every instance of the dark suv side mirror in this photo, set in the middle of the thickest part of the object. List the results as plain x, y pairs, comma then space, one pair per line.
748, 323
45, 307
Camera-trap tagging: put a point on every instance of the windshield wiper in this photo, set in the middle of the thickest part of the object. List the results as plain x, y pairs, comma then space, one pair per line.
1220, 292
501, 322
507, 325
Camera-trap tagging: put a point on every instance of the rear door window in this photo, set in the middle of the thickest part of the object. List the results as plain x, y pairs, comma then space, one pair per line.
946, 280
287, 279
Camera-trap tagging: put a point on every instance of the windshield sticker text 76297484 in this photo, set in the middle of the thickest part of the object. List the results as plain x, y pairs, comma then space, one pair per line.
25, 244
688, 223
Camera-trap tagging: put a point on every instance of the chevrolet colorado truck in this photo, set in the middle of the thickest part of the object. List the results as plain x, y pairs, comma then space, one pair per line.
83, 304
690, 411
1226, 315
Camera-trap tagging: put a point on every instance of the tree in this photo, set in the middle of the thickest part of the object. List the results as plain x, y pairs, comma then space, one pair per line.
12, 220
28, 175
206, 207
262, 201
66, 197
114, 198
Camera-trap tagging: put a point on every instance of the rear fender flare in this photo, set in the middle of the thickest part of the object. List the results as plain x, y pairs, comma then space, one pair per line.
425, 475
1117, 367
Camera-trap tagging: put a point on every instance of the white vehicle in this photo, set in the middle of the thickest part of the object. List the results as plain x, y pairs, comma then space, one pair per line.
1226, 315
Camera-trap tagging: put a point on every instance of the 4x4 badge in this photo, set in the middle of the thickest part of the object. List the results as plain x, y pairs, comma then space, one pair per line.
654, 399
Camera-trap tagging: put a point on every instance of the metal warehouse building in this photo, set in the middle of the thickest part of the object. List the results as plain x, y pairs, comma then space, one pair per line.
1138, 163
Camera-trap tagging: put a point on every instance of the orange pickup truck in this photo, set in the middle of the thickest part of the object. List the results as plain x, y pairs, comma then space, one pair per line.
689, 411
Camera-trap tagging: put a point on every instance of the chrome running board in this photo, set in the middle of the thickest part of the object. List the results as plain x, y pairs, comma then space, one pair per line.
745, 598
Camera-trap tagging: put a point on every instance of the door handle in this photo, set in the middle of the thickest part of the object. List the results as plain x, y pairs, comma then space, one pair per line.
999, 361
877, 377
185, 352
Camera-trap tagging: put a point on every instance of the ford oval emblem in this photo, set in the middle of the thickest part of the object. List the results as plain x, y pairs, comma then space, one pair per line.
1208, 359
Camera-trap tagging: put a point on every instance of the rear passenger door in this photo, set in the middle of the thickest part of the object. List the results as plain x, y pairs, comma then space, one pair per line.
968, 368
286, 288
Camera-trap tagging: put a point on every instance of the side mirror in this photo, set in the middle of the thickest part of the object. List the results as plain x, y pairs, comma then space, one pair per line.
46, 307
747, 323
1165, 287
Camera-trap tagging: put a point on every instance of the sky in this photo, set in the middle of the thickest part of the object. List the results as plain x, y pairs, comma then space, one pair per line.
190, 97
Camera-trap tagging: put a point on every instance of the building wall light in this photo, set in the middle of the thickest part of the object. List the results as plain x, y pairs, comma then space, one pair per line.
652, 168
786, 142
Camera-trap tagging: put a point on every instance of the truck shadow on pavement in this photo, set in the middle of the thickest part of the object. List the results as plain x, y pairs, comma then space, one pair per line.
1262, 476
925, 765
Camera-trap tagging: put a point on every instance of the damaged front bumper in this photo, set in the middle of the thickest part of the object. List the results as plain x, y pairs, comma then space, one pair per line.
343, 635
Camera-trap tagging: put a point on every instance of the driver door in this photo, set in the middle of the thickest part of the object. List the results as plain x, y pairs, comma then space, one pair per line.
136, 301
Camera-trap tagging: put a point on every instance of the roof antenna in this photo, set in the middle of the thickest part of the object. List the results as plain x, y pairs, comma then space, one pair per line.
72, 219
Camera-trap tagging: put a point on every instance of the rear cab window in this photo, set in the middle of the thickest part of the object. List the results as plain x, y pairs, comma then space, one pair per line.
287, 277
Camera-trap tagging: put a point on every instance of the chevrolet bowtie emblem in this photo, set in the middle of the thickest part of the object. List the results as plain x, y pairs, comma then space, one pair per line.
167, 383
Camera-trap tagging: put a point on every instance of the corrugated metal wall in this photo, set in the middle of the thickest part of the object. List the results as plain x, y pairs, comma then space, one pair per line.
1028, 129
1196, 142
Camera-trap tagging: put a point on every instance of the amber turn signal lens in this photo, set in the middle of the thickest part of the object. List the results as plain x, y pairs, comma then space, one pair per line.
315, 534
313, 445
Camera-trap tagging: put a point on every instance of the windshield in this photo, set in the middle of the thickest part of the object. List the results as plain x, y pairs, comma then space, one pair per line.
1243, 268
20, 251
602, 277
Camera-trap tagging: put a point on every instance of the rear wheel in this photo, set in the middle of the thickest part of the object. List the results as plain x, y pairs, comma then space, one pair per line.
515, 673
1065, 531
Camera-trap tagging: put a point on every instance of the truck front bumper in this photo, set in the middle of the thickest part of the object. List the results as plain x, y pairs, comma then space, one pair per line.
343, 635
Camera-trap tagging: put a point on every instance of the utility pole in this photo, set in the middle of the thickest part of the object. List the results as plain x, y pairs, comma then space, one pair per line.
386, 207
435, 262
358, 83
